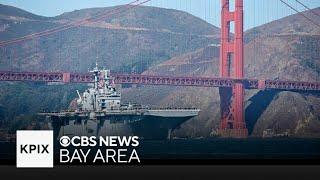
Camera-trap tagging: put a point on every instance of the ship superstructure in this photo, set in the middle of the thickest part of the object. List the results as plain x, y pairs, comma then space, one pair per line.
100, 112
102, 97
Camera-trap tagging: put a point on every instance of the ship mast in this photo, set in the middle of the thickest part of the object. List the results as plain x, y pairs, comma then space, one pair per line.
95, 72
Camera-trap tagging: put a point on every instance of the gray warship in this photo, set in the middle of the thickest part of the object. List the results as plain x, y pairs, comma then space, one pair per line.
99, 112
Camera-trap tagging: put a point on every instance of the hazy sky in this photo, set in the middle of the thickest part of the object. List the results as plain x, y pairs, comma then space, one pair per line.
257, 12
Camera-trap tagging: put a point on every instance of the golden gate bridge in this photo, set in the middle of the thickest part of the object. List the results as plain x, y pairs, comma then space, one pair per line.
62, 77
231, 82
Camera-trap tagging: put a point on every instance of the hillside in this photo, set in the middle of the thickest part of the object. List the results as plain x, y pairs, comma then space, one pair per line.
285, 49
148, 18
291, 25
130, 41
12, 12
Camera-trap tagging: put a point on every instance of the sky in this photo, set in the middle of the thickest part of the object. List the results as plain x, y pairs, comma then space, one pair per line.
257, 12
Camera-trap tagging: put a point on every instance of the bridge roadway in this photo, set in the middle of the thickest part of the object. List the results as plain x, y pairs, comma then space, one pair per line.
160, 80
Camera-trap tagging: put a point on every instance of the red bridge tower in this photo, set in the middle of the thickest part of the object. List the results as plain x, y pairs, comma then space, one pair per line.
231, 66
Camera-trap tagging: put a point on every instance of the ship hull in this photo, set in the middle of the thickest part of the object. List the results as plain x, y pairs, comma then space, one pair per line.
144, 126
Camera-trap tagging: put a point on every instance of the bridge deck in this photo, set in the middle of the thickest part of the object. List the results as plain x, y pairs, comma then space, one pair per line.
160, 80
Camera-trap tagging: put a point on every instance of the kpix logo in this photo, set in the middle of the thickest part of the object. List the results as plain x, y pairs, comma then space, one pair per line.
34, 148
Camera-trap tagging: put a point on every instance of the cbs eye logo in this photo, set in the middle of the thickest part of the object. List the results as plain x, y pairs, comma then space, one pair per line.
65, 141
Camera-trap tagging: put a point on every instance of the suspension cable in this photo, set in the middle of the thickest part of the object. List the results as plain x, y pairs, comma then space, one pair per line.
300, 13
74, 24
305, 6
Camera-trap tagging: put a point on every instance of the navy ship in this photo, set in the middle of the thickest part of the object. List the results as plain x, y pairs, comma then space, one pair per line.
100, 112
